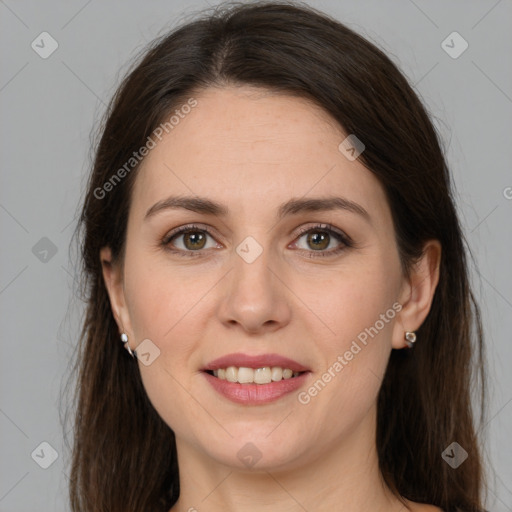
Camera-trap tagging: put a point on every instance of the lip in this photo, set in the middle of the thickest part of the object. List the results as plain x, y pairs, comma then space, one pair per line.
257, 361
256, 394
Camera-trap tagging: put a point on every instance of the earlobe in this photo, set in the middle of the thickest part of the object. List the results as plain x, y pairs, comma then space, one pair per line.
418, 293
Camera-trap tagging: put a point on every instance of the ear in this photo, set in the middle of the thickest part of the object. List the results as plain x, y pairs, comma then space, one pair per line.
418, 292
113, 277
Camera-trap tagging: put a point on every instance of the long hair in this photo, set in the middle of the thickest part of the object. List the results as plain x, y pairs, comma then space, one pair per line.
124, 455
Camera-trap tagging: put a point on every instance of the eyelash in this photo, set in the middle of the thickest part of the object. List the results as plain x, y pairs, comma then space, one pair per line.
325, 228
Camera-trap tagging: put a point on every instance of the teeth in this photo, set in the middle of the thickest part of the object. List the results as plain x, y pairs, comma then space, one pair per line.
264, 375
245, 375
287, 373
231, 374
277, 373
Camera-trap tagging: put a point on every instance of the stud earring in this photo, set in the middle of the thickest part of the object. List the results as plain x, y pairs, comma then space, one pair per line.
124, 339
410, 338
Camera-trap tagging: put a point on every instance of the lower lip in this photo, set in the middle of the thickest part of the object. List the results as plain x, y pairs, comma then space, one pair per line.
254, 394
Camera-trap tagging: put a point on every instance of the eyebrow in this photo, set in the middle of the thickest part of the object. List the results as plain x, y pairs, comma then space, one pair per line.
292, 207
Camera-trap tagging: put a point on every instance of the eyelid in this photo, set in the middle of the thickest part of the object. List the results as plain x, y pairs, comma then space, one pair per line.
345, 242
188, 227
325, 227
340, 235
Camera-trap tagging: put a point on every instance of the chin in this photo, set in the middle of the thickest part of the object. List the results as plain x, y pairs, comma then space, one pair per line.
256, 451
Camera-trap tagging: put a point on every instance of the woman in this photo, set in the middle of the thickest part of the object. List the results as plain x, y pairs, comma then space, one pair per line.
269, 232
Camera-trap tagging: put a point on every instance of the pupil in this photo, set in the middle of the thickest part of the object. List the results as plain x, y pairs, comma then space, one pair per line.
195, 239
315, 238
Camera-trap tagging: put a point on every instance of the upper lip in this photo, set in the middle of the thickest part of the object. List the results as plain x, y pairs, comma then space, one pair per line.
257, 361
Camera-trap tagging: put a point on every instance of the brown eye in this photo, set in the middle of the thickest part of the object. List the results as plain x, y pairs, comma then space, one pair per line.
318, 240
194, 240
188, 240
322, 240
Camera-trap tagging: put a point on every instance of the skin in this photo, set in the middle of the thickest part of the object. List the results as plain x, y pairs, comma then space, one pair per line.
230, 148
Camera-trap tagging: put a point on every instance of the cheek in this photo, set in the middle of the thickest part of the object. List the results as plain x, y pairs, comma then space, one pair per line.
165, 307
357, 318
161, 299
353, 301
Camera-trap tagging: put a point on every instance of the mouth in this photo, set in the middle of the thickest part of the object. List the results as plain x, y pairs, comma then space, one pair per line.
245, 375
254, 380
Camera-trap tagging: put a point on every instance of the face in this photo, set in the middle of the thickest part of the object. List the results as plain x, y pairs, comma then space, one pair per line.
259, 280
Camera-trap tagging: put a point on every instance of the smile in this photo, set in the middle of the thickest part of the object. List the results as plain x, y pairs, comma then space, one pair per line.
255, 379
264, 375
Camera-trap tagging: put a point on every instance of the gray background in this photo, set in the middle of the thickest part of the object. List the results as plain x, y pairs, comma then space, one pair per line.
48, 108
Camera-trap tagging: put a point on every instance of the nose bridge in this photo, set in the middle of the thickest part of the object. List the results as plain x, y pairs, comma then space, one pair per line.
255, 297
252, 278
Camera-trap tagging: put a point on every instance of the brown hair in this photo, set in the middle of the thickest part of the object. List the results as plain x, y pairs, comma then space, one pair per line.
124, 455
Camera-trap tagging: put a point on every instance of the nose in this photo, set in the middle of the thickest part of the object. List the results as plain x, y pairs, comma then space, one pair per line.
255, 296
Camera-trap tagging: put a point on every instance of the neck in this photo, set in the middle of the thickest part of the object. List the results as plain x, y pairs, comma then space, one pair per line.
345, 477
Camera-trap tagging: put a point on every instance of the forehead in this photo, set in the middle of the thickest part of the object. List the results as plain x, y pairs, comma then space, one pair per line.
253, 149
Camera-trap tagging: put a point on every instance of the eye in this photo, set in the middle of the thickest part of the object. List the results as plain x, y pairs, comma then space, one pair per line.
187, 240
191, 240
321, 237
